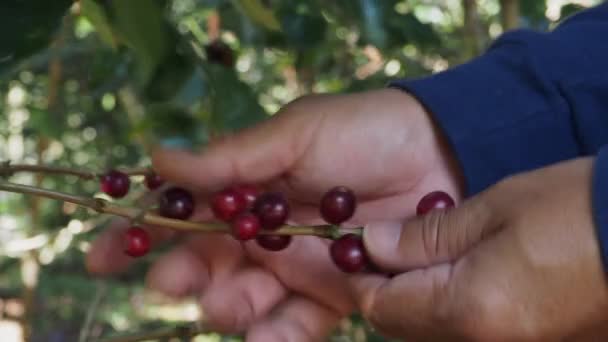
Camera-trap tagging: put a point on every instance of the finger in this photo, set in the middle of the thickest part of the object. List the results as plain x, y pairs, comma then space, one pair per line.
254, 155
397, 207
297, 320
232, 304
439, 236
314, 265
106, 255
179, 273
411, 305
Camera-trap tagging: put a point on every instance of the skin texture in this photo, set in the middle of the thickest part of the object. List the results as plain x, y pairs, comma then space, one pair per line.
518, 262
382, 144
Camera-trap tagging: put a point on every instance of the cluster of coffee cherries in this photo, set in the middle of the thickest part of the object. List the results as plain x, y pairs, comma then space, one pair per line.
174, 202
348, 251
251, 214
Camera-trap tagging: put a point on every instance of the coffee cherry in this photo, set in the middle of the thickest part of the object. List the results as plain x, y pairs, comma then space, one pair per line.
273, 243
219, 53
176, 203
137, 242
434, 200
153, 180
227, 204
249, 192
348, 253
338, 205
245, 226
272, 209
115, 183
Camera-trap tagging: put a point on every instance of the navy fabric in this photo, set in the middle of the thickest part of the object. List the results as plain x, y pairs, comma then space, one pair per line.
532, 99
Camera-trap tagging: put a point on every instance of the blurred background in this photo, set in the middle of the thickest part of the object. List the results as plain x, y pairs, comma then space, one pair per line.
94, 83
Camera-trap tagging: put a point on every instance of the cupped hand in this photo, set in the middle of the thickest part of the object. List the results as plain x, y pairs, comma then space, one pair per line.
382, 144
518, 262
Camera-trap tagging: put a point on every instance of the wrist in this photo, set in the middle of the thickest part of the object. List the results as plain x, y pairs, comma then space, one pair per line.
434, 143
599, 198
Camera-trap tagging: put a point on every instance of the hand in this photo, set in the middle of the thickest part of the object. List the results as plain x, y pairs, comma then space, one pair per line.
381, 144
519, 262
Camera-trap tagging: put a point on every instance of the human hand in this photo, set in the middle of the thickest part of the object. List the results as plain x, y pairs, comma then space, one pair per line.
381, 144
518, 262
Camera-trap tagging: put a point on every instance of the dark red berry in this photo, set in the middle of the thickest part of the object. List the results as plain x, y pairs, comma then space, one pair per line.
153, 181
249, 192
115, 183
272, 209
434, 200
227, 204
137, 242
176, 203
245, 226
348, 253
338, 205
219, 53
273, 243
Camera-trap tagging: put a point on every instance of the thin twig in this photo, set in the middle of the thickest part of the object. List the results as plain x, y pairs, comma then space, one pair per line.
7, 169
103, 206
93, 203
183, 331
86, 327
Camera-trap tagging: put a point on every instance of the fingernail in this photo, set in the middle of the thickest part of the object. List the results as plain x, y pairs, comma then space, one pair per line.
382, 237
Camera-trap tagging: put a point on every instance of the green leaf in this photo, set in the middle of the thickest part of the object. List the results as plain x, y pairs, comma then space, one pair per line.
373, 22
169, 77
303, 26
234, 106
408, 29
43, 123
145, 31
96, 14
533, 12
28, 27
164, 120
243, 26
260, 14
304, 31
569, 10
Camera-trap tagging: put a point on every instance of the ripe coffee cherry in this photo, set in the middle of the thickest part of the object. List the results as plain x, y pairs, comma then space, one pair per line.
176, 203
338, 205
272, 209
245, 226
115, 183
249, 192
273, 243
227, 204
137, 242
434, 200
153, 181
348, 253
220, 53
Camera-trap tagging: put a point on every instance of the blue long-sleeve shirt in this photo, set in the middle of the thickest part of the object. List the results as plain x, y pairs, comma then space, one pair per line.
531, 100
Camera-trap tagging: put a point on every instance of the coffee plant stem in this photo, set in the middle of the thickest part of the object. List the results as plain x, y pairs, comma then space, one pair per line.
103, 206
7, 169
183, 332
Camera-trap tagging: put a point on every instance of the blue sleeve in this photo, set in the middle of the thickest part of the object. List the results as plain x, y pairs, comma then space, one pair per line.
531, 100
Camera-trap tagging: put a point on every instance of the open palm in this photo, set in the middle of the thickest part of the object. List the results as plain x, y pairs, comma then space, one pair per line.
381, 144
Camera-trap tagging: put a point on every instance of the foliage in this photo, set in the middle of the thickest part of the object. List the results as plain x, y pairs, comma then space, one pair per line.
96, 83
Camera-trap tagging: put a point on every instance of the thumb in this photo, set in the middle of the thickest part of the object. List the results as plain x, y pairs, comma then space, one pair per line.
254, 155
423, 292
437, 237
